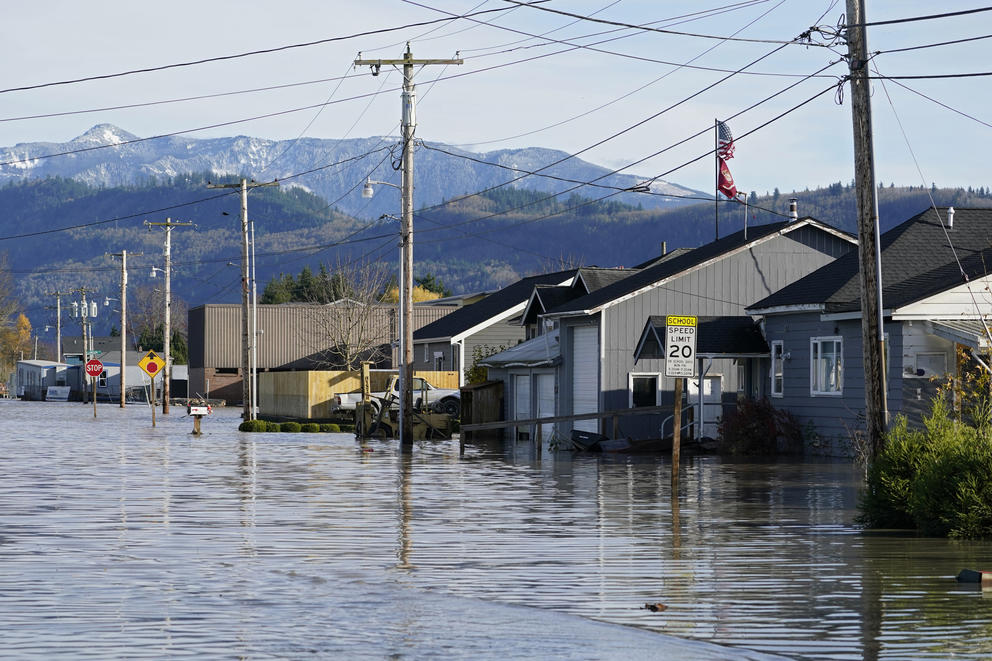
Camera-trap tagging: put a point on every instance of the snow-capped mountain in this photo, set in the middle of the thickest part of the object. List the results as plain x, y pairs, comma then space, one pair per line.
333, 169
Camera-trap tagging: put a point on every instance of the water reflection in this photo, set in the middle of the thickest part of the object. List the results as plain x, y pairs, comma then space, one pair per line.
132, 542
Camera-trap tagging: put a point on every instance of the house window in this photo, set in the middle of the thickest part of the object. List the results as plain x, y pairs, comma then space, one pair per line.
643, 390
741, 378
778, 368
826, 366
931, 364
102, 381
438, 361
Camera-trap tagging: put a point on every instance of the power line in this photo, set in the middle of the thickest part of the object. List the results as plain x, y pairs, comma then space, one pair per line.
263, 51
928, 17
936, 45
802, 40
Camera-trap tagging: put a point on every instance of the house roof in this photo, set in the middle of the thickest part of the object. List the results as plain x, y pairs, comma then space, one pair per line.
543, 350
715, 336
597, 278
493, 307
917, 262
668, 268
661, 258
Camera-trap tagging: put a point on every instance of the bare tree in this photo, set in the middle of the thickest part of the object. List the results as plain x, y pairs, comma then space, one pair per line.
355, 326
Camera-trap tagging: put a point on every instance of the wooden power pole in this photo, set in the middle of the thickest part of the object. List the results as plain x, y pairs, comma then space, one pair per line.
123, 255
869, 257
247, 340
167, 335
406, 234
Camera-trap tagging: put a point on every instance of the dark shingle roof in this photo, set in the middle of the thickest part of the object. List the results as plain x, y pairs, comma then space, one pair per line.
917, 262
472, 315
670, 267
715, 336
596, 278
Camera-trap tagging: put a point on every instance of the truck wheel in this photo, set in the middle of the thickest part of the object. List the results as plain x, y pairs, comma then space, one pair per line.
451, 406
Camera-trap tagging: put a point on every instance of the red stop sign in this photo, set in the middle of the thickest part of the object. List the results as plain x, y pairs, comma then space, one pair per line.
94, 367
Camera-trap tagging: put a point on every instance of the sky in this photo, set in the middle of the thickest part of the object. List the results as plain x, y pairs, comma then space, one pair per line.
618, 97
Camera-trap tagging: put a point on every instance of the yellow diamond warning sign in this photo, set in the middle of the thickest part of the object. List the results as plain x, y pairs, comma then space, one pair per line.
151, 364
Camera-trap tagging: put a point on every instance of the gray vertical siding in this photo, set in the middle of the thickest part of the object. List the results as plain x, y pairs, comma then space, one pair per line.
831, 421
724, 287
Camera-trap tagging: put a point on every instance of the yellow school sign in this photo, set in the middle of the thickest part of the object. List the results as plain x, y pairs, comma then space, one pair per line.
680, 346
151, 364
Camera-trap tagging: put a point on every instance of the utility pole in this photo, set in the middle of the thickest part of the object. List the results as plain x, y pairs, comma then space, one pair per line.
123, 255
58, 323
167, 372
869, 256
247, 391
83, 317
406, 234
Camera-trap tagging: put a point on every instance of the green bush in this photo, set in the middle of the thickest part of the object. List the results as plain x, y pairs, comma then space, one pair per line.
272, 426
347, 428
756, 427
289, 427
310, 427
329, 427
252, 425
934, 479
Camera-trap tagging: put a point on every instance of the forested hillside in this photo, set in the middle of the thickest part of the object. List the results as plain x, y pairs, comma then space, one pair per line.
58, 234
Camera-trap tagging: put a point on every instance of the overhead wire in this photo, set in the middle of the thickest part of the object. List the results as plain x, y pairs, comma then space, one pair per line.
933, 205
261, 51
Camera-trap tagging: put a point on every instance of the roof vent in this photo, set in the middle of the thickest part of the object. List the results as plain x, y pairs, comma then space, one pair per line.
793, 208
950, 217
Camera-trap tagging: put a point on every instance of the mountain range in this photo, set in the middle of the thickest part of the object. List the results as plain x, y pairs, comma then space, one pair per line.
63, 217
107, 156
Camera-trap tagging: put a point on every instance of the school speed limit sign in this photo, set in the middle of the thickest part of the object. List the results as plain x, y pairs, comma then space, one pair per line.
680, 346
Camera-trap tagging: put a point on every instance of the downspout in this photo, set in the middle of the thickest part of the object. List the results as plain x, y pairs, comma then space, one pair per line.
461, 362
702, 389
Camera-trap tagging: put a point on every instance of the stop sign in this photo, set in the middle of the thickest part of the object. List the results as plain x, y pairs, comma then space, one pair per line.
94, 367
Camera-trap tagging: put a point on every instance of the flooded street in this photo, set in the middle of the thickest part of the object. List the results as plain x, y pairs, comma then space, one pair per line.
120, 540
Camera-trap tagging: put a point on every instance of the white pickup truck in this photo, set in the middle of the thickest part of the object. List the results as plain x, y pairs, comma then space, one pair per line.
442, 400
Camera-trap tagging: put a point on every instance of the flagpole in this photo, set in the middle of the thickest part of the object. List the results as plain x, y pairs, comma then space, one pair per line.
716, 164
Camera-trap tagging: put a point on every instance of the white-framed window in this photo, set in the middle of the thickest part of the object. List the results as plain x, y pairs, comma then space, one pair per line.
826, 365
929, 364
102, 380
643, 389
741, 377
778, 368
438, 361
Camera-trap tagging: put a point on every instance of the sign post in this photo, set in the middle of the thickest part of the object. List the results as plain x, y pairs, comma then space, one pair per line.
680, 363
94, 368
151, 364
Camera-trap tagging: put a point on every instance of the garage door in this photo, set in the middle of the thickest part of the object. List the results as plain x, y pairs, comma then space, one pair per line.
585, 375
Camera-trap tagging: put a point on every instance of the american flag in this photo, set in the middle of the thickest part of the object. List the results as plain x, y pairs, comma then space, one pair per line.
725, 141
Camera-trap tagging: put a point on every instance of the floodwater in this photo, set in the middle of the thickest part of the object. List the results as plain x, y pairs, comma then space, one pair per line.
120, 540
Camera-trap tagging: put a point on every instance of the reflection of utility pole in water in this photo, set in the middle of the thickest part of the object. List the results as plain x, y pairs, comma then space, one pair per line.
676, 531
406, 511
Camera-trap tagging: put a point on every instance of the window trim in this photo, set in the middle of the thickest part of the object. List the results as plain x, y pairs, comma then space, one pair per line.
771, 371
657, 386
820, 339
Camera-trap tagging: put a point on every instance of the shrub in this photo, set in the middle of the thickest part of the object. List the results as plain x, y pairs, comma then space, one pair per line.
272, 426
310, 427
252, 425
289, 427
330, 427
757, 427
347, 428
934, 479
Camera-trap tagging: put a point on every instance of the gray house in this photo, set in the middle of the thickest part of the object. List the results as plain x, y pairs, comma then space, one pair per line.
599, 332
935, 295
449, 342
